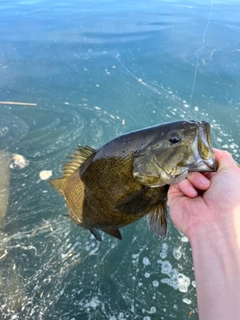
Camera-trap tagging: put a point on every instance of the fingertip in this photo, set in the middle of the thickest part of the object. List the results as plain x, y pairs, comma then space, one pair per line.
191, 192
205, 182
188, 189
221, 154
224, 159
199, 180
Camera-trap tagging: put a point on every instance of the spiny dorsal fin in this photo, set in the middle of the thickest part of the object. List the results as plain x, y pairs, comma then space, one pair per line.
77, 158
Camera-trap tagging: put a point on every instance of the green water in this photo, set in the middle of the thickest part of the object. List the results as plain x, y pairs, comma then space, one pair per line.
95, 70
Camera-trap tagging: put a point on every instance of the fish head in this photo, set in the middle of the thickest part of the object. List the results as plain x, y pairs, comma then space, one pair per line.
176, 148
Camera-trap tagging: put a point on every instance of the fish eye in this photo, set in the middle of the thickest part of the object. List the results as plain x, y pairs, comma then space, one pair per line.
174, 137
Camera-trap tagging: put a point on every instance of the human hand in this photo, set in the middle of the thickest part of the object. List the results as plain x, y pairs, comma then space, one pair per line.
207, 202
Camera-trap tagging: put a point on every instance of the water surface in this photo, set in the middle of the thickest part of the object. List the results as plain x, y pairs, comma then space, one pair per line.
94, 70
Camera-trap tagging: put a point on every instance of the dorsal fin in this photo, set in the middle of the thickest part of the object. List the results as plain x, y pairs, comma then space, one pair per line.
57, 184
77, 158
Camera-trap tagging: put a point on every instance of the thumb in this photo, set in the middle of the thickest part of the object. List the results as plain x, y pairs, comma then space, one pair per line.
225, 160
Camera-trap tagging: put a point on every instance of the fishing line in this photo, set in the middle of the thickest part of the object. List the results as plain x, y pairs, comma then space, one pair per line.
197, 52
209, 17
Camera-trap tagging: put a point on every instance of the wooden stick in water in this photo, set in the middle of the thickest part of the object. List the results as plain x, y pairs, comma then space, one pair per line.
18, 103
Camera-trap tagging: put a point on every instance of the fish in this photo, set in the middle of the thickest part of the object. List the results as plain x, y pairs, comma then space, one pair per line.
128, 177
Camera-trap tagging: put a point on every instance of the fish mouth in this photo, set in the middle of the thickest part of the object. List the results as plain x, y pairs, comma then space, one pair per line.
203, 152
170, 177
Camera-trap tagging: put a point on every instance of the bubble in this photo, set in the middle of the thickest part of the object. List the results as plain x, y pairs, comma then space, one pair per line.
147, 274
187, 301
45, 174
20, 161
146, 261
166, 267
155, 283
163, 253
184, 239
177, 253
152, 310
94, 303
183, 282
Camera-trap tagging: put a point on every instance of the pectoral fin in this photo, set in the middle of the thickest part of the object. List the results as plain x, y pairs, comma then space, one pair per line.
142, 200
134, 204
113, 232
157, 220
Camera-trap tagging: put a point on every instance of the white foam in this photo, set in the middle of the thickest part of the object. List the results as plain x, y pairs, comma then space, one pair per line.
187, 301
177, 253
146, 261
183, 282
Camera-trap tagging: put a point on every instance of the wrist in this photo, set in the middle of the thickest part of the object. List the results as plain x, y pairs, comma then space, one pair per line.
216, 258
221, 227
218, 244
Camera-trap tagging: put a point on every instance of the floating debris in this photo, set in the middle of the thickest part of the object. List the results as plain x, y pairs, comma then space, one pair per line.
45, 174
19, 161
123, 122
4, 254
191, 313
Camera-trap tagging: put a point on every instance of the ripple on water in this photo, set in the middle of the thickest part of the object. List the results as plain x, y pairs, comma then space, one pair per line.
12, 129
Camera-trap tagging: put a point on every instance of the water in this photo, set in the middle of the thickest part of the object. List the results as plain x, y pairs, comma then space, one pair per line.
94, 70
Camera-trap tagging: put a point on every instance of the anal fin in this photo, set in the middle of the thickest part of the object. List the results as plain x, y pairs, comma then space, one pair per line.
113, 232
157, 220
96, 234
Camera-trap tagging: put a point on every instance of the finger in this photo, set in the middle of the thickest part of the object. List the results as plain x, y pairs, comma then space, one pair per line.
224, 159
186, 188
198, 180
209, 175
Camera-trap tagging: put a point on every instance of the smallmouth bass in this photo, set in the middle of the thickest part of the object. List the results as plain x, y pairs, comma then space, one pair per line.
128, 177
